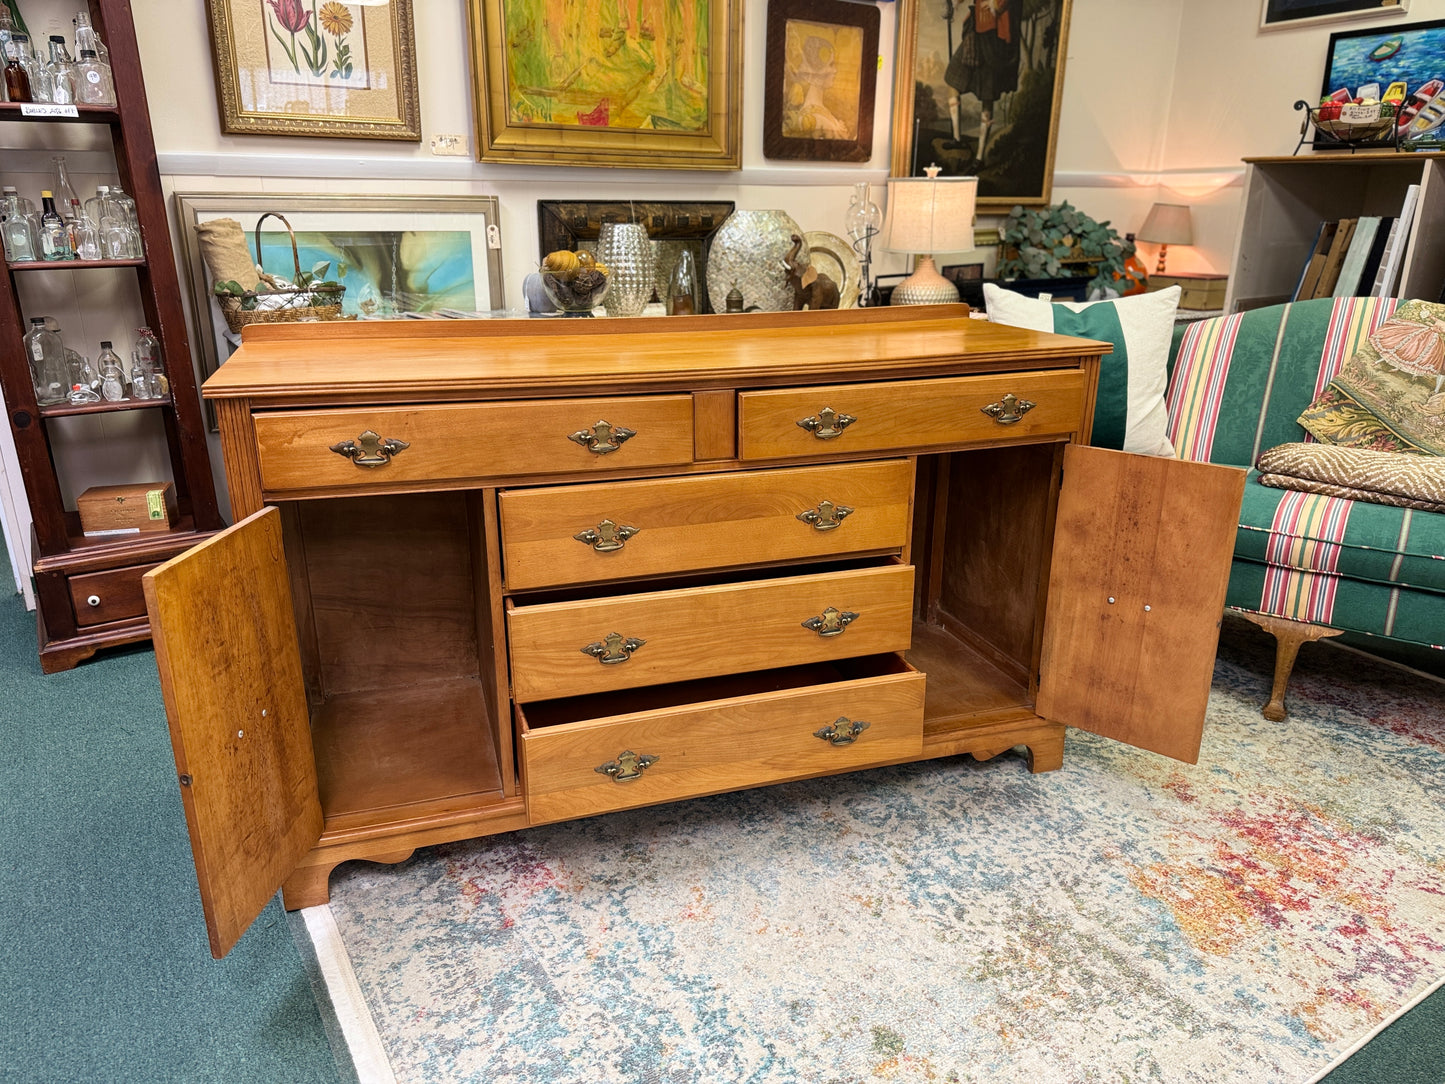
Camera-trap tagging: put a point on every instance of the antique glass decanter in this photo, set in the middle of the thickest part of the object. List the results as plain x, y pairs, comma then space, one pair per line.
46, 354
112, 374
863, 222
147, 379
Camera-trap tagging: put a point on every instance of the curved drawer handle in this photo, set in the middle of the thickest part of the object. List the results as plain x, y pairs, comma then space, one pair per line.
370, 449
613, 649
1011, 409
826, 517
831, 622
844, 731
607, 536
603, 437
629, 765
827, 423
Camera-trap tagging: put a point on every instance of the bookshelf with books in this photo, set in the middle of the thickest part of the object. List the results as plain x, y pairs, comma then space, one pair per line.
1338, 225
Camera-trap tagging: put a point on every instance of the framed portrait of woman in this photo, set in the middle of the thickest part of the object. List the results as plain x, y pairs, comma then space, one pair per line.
976, 92
820, 76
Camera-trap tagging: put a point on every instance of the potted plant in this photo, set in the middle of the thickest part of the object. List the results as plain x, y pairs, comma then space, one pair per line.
1061, 242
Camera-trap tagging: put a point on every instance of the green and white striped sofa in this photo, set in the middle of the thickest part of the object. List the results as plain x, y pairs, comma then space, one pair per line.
1305, 565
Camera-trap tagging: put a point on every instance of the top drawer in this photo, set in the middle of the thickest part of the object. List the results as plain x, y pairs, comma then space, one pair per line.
911, 414
385, 446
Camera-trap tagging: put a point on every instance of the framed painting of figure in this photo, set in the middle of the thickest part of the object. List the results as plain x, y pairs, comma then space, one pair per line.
820, 77
651, 84
976, 92
316, 67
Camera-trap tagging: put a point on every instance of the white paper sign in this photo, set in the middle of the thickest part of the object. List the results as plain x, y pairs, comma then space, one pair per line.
45, 109
1360, 114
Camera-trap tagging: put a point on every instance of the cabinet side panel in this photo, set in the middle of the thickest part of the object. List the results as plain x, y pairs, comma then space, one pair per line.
491, 630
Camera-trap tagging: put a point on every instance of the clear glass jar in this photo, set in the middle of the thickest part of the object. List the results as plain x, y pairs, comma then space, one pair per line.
147, 377
120, 237
81, 370
84, 236
86, 39
46, 354
112, 374
94, 84
60, 72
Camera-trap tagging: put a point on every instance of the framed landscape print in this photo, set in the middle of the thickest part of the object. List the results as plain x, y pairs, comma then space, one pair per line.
821, 75
1287, 13
651, 84
976, 91
316, 67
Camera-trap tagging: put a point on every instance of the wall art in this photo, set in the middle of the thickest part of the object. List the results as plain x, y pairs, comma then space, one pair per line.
1291, 13
316, 68
976, 91
820, 80
1409, 53
654, 84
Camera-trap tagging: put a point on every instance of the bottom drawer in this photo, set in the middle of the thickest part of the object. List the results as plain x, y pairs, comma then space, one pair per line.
595, 754
112, 595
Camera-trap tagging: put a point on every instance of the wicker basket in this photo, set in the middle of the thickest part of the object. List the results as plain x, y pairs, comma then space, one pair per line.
283, 304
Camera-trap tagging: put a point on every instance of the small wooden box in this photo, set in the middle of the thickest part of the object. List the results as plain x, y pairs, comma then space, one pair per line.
146, 506
1198, 291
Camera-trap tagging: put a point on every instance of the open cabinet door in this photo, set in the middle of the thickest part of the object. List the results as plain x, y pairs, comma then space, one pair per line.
230, 667
1142, 548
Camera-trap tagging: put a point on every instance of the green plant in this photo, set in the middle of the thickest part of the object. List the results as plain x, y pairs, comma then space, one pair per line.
1038, 243
314, 280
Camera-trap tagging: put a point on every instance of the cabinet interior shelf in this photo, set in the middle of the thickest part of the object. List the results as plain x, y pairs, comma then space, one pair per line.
79, 541
71, 265
88, 114
63, 410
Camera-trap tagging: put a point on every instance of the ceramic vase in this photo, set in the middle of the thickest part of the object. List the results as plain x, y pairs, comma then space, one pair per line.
627, 251
747, 252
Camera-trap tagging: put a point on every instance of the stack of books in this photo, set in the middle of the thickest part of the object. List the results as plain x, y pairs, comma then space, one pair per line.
1357, 257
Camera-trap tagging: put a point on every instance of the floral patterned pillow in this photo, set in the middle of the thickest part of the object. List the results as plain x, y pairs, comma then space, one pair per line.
1391, 395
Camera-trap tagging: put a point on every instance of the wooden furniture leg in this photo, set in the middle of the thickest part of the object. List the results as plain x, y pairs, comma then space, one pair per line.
1288, 636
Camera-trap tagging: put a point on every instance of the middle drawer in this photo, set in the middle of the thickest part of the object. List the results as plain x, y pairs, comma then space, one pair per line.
617, 530
625, 641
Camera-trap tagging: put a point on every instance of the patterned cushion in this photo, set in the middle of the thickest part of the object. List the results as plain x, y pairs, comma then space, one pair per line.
1362, 474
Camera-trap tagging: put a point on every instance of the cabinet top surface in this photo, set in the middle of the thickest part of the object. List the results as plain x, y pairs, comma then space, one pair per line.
454, 359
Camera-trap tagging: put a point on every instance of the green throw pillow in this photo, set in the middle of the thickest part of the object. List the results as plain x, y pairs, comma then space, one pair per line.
1130, 413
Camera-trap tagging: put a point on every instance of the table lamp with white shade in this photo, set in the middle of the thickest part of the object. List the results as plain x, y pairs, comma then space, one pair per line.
927, 215
1167, 224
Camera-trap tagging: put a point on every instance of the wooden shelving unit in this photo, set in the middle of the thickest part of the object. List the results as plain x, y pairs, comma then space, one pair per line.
88, 588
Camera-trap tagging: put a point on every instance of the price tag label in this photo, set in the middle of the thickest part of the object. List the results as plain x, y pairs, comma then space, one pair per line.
1360, 114
46, 109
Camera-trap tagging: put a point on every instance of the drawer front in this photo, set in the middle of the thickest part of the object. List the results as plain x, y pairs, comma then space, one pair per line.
911, 414
572, 648
717, 746
112, 595
470, 441
608, 530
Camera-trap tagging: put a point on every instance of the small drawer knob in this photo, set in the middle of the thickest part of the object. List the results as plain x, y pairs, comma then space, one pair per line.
93, 600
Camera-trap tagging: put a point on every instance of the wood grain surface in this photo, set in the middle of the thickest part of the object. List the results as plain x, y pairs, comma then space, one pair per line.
118, 595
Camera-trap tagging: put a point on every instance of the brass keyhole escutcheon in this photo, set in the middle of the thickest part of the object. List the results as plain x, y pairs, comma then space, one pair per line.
831, 622
602, 438
370, 449
1008, 410
827, 423
843, 731
607, 536
629, 765
827, 516
614, 648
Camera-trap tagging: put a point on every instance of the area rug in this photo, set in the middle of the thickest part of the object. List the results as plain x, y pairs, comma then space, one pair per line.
1126, 918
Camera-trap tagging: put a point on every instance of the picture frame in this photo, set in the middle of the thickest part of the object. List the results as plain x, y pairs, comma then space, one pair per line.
953, 68
820, 80
557, 83
458, 268
346, 70
1418, 58
672, 226
1288, 14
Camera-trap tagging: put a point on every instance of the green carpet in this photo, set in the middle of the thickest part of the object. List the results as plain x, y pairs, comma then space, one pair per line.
105, 974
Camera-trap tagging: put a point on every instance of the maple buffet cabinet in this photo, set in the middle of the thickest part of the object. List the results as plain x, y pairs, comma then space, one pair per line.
497, 574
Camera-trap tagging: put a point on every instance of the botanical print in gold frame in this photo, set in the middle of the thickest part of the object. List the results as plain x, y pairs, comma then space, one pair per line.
316, 68
981, 73
645, 83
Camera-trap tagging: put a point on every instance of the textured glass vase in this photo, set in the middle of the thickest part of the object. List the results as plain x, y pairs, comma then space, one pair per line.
627, 251
747, 252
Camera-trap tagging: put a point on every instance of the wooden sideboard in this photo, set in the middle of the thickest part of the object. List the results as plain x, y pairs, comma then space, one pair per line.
497, 574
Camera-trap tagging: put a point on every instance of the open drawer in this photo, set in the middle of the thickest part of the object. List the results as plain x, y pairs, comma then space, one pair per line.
596, 754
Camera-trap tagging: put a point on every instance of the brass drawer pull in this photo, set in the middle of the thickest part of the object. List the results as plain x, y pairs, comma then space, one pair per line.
1010, 410
613, 649
827, 516
370, 449
827, 423
844, 731
606, 536
831, 622
603, 437
629, 766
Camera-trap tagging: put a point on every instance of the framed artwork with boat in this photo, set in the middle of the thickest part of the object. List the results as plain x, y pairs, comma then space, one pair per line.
1408, 55
1292, 13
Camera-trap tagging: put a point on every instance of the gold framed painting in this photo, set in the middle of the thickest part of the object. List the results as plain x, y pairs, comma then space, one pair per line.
976, 91
316, 68
649, 84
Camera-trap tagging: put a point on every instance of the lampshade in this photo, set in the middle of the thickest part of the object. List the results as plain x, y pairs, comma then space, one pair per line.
1167, 224
929, 214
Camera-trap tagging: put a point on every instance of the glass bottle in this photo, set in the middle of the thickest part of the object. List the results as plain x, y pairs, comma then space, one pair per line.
7, 32
60, 186
46, 354
112, 374
683, 295
147, 379
61, 72
87, 39
17, 79
84, 237
17, 227
81, 370
120, 228
95, 206
863, 222
94, 84
54, 237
